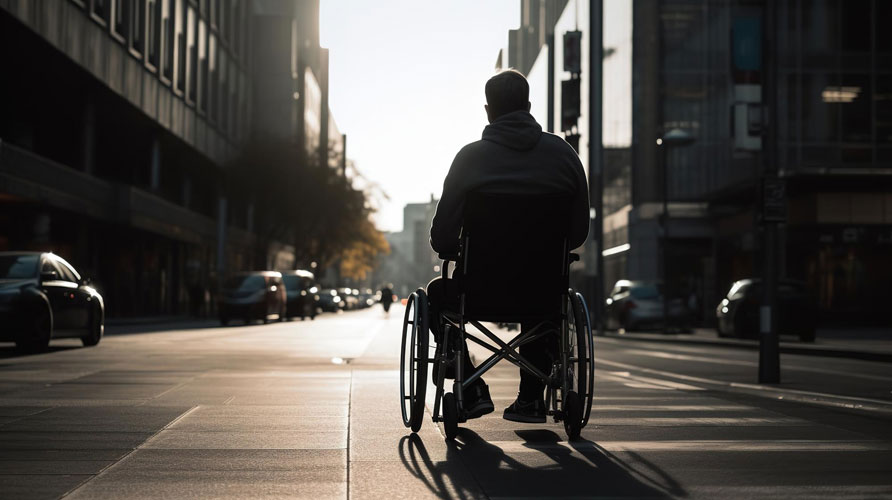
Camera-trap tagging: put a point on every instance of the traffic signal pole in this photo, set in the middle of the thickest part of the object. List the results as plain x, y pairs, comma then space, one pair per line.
772, 198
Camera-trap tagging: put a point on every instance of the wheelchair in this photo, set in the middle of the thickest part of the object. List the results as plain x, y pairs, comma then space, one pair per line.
512, 266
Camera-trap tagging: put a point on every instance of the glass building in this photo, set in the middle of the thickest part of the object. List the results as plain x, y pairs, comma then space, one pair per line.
701, 66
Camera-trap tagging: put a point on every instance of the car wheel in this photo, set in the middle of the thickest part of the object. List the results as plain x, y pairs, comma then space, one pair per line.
37, 338
224, 320
97, 327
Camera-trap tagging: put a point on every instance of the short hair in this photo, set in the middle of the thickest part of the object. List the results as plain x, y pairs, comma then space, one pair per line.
506, 92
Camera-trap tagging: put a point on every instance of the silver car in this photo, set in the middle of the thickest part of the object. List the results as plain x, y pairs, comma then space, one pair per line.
636, 305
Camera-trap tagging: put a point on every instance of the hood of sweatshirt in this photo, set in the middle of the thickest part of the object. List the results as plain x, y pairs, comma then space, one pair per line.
516, 130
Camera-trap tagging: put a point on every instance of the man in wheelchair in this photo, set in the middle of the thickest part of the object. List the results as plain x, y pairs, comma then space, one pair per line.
526, 189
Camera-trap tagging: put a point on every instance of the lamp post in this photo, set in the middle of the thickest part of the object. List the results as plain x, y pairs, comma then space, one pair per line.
671, 139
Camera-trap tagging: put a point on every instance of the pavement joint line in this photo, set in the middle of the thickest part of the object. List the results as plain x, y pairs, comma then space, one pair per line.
795, 395
349, 425
129, 454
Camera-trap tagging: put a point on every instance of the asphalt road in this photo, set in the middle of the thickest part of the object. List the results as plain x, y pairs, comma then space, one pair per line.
310, 409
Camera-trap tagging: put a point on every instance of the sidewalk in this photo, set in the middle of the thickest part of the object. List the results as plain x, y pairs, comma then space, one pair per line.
869, 344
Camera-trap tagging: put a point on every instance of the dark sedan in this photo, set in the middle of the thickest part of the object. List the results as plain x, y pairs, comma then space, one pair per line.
42, 297
258, 295
738, 312
302, 292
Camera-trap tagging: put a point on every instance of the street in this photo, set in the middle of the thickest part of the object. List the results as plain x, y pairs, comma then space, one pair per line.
309, 409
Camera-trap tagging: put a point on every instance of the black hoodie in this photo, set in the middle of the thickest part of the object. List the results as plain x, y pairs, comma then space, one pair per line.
514, 156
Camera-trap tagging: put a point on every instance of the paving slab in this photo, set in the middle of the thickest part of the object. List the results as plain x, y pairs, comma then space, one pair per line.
282, 440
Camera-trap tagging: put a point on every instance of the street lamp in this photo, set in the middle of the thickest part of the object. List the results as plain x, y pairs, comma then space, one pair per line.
672, 139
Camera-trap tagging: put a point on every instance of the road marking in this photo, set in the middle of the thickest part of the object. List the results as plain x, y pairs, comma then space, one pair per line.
660, 383
818, 398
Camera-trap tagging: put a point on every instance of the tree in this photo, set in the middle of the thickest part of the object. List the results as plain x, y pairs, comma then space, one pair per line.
303, 202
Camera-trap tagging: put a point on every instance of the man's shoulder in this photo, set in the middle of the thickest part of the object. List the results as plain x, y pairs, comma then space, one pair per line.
557, 142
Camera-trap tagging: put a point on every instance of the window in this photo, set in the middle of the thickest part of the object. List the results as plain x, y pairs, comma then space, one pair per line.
119, 18
224, 92
180, 42
202, 66
856, 108
168, 37
213, 77
153, 31
236, 27
191, 55
99, 10
137, 28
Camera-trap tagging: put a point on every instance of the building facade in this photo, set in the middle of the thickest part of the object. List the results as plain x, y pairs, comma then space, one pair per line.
701, 66
121, 119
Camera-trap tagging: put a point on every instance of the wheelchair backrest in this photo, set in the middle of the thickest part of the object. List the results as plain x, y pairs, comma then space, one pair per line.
515, 256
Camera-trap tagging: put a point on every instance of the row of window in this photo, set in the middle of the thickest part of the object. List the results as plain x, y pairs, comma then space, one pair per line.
196, 47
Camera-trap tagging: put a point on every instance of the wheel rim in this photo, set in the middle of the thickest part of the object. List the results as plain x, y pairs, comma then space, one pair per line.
587, 397
579, 361
407, 367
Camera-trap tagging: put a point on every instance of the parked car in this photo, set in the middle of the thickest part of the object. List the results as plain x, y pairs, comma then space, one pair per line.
43, 297
633, 305
350, 297
330, 300
367, 298
738, 312
257, 295
302, 294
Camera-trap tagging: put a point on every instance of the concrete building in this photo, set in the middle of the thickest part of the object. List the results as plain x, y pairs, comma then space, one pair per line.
120, 120
411, 262
699, 66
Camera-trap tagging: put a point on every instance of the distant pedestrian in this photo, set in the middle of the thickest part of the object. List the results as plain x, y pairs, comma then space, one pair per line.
387, 297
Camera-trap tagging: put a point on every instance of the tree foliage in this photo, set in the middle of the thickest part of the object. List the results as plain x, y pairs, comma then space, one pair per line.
300, 200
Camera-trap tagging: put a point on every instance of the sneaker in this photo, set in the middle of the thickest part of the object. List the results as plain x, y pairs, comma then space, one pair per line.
532, 412
477, 401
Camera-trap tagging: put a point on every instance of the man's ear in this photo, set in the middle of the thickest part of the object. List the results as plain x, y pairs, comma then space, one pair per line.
529, 106
488, 116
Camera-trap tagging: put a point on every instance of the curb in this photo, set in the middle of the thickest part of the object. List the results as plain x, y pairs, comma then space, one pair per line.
830, 352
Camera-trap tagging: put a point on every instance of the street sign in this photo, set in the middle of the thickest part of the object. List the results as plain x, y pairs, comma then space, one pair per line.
774, 206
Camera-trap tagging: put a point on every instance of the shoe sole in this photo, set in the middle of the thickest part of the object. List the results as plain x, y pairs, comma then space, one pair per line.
480, 410
524, 419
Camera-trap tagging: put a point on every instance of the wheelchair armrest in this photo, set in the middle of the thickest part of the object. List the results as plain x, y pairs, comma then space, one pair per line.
574, 257
453, 257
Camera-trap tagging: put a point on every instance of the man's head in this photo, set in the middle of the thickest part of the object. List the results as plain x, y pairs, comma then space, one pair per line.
506, 92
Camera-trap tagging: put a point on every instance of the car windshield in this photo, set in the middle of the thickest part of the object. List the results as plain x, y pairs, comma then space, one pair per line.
17, 267
645, 291
250, 282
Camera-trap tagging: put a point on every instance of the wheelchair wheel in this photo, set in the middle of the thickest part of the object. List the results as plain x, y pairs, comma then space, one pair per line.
578, 361
413, 360
450, 416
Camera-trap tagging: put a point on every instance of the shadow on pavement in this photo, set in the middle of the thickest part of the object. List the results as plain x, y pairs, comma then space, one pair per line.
11, 351
552, 470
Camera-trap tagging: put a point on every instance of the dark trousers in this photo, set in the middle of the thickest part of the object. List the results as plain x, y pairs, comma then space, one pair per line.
443, 296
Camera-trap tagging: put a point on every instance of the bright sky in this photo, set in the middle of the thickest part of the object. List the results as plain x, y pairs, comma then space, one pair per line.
406, 84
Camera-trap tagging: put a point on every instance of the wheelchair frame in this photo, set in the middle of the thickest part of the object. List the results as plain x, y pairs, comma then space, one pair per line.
563, 403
